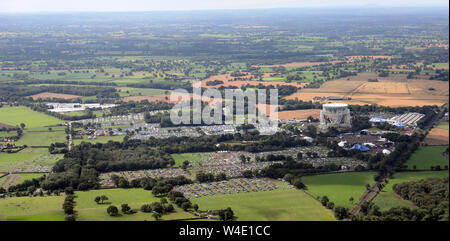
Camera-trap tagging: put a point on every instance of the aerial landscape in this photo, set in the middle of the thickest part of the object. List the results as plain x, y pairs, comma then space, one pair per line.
122, 115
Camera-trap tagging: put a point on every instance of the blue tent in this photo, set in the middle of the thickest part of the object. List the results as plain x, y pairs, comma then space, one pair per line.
376, 120
360, 147
399, 124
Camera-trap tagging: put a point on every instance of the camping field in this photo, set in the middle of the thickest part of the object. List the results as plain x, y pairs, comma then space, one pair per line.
427, 156
280, 204
14, 116
339, 187
89, 210
26, 159
387, 199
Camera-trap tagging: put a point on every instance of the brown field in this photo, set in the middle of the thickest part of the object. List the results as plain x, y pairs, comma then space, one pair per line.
48, 95
267, 108
229, 80
298, 64
437, 137
391, 91
298, 114
289, 114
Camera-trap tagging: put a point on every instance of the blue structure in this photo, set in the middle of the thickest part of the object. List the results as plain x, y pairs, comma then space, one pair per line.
399, 124
360, 147
376, 120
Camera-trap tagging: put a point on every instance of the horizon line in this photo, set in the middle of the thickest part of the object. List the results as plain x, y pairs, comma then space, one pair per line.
233, 9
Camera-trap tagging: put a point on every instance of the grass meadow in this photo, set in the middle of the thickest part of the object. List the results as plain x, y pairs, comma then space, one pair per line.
282, 204
339, 187
32, 208
89, 210
16, 115
427, 156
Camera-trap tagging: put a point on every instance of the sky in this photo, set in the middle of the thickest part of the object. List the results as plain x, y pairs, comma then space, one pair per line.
169, 5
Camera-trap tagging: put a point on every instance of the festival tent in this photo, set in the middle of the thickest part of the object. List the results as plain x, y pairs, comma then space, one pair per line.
376, 120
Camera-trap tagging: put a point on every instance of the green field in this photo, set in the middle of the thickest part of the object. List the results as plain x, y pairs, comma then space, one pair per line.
339, 187
41, 138
427, 156
23, 177
32, 208
28, 157
282, 204
191, 157
387, 199
20, 114
443, 125
89, 210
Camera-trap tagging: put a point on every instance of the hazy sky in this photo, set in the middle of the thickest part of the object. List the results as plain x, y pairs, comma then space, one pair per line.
151, 5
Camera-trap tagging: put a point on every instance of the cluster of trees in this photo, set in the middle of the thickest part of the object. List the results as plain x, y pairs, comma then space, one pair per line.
226, 214
209, 177
126, 108
181, 201
114, 156
101, 199
365, 109
299, 105
11, 92
256, 143
295, 181
430, 195
158, 208
215, 82
159, 187
58, 148
68, 205
297, 169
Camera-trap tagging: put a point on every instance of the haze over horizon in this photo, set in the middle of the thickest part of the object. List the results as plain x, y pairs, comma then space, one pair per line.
24, 6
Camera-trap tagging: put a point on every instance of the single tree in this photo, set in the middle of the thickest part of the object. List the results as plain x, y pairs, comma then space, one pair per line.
112, 211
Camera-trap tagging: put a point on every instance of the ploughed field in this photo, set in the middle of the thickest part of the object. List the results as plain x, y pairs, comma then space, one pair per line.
393, 91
